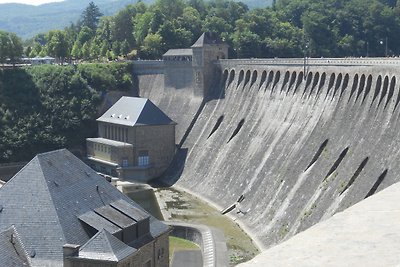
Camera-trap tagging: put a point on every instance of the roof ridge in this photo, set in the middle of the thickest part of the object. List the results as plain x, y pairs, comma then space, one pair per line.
23, 247
20, 171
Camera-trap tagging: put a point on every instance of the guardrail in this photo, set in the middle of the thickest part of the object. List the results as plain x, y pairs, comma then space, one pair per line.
311, 61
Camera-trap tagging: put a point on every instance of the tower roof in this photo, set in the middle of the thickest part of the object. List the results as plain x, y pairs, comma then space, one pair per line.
208, 38
132, 111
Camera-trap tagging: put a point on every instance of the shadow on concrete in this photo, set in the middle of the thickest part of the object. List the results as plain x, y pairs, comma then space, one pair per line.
174, 171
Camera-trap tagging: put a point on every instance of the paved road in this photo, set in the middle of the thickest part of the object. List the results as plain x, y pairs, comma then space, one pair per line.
186, 258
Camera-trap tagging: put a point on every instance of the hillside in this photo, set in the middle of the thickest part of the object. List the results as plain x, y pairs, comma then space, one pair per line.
26, 20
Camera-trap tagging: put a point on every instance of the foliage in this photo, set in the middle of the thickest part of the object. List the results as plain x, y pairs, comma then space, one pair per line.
48, 107
289, 28
10, 47
91, 16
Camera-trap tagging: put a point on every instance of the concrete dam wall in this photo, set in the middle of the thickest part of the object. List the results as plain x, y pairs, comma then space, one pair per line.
297, 146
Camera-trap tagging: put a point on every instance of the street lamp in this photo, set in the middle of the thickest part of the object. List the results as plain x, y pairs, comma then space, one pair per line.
386, 45
305, 60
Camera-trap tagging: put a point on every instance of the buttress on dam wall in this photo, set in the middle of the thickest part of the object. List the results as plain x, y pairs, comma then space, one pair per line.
298, 142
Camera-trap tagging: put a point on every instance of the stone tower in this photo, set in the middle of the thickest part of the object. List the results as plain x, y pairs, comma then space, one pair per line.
206, 50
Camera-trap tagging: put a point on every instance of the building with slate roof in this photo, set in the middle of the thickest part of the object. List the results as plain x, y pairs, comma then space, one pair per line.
194, 67
136, 140
57, 211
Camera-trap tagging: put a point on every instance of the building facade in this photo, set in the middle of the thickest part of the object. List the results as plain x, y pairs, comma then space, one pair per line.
136, 141
194, 67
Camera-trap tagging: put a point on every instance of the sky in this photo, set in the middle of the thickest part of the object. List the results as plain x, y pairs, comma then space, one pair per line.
29, 2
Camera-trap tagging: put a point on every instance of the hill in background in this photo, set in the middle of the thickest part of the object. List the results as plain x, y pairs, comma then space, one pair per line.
27, 20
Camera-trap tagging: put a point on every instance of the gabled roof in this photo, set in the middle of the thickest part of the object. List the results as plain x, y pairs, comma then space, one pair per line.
46, 198
12, 251
179, 52
134, 111
208, 38
104, 246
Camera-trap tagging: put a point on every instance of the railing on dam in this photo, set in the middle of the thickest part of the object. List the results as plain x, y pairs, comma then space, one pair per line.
228, 63
148, 67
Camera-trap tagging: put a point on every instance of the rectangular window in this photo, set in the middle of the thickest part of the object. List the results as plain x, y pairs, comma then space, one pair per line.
124, 163
144, 159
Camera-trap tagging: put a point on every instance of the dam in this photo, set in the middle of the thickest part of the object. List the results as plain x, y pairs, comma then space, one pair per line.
296, 140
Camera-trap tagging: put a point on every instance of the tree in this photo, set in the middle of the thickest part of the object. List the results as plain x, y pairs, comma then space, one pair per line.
116, 48
10, 47
152, 46
58, 45
94, 51
123, 27
91, 16
76, 50
85, 35
124, 48
142, 24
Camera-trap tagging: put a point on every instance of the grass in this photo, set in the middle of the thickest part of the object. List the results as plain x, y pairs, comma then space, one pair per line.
179, 244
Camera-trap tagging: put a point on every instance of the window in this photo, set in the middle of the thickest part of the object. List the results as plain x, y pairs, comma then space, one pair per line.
143, 159
124, 163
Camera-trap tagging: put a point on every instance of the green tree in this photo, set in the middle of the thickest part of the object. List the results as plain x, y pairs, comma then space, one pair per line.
58, 45
86, 50
116, 48
125, 48
152, 46
142, 24
10, 47
94, 51
91, 16
123, 26
85, 35
76, 50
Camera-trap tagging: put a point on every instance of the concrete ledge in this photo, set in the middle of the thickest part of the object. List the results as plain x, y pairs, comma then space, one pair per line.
211, 241
366, 234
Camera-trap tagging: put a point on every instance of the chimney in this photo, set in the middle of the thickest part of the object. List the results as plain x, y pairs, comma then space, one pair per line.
69, 251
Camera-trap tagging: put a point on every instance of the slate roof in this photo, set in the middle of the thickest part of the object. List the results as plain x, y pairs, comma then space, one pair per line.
12, 251
208, 38
104, 246
179, 52
133, 111
46, 198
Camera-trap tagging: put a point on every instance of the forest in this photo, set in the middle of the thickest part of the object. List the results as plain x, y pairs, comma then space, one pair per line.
50, 107
289, 28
